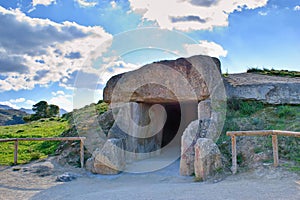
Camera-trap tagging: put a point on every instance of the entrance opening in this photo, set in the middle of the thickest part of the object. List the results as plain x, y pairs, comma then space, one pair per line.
172, 123
177, 120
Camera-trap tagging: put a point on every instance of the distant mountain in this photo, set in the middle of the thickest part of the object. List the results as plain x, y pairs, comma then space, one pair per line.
62, 111
28, 111
5, 107
11, 117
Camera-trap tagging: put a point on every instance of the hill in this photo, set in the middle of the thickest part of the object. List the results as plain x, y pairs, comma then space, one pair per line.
11, 117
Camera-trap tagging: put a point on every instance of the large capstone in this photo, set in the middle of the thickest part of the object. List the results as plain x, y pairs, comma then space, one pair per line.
162, 82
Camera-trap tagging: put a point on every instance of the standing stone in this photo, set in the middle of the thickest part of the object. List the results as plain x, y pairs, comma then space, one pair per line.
106, 121
110, 159
139, 125
188, 141
196, 129
207, 158
204, 109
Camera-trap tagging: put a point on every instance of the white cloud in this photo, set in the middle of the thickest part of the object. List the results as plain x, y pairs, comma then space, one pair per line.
30, 102
297, 8
187, 15
63, 101
19, 103
113, 4
42, 2
114, 68
59, 92
19, 100
205, 48
263, 13
85, 3
8, 103
46, 51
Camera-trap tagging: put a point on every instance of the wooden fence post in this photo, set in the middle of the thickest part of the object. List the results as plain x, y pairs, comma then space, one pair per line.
275, 150
82, 153
234, 159
16, 152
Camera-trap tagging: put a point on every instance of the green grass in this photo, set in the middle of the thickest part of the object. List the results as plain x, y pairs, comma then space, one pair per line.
251, 115
273, 72
31, 150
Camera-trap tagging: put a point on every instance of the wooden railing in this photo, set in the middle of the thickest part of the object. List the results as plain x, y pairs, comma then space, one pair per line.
274, 134
16, 140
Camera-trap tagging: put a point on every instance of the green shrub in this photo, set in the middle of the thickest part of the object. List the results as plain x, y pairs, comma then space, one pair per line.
286, 112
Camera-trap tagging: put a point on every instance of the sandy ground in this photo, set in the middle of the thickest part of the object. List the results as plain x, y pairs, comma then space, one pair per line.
262, 183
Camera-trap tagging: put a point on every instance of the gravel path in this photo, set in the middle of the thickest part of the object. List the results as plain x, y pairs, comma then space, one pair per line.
262, 183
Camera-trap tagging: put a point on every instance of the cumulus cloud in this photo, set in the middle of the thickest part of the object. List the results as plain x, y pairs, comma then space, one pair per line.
8, 103
113, 4
205, 48
17, 103
30, 102
296, 8
85, 3
263, 13
42, 2
45, 52
114, 68
19, 100
59, 92
206, 3
192, 14
63, 101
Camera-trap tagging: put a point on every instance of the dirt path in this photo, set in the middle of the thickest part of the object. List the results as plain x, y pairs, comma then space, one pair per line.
262, 183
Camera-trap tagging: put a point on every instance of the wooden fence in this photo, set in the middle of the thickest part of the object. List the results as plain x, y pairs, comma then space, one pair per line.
274, 134
16, 140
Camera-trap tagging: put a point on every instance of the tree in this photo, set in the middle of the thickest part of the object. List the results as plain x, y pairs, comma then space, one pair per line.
43, 110
40, 109
53, 110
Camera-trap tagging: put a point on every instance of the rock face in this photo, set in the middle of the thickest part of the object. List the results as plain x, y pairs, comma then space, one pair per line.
106, 121
161, 82
268, 89
140, 132
108, 160
188, 140
207, 158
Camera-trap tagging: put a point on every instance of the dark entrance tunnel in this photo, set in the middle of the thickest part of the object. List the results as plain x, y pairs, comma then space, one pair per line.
172, 123
188, 113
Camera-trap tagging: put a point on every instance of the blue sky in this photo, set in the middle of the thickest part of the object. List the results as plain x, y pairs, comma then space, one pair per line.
64, 51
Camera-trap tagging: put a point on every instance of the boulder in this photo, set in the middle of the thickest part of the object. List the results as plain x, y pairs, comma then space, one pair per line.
66, 177
207, 158
184, 82
108, 160
106, 121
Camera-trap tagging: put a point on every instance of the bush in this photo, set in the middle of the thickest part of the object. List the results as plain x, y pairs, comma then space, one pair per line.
286, 112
